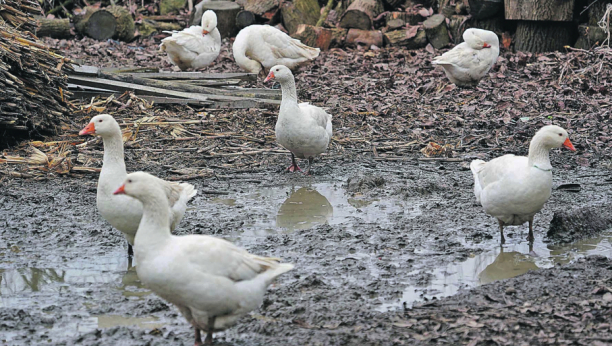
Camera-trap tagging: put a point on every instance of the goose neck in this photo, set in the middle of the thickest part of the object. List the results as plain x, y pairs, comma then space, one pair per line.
539, 154
288, 90
113, 151
154, 227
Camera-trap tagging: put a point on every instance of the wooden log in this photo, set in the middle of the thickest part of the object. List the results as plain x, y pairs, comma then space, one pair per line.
299, 12
394, 24
101, 24
226, 12
314, 36
435, 28
456, 26
367, 38
56, 28
590, 36
360, 14
540, 10
539, 37
150, 27
408, 38
262, 8
170, 6
483, 9
408, 17
244, 19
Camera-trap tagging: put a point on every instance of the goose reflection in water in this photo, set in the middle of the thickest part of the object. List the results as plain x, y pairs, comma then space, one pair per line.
304, 209
507, 265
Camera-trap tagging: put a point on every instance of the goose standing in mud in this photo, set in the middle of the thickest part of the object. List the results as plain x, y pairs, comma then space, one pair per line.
514, 188
211, 281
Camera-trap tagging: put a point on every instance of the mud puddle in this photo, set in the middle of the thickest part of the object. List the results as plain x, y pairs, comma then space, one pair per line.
503, 262
289, 208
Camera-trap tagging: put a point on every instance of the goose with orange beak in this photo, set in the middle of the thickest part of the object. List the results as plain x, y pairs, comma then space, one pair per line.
470, 61
303, 129
195, 47
211, 281
121, 212
515, 188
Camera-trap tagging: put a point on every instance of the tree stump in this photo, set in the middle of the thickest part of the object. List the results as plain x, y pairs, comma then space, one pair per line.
483, 9
435, 28
226, 12
541, 10
244, 19
360, 14
408, 38
367, 38
56, 28
299, 12
589, 36
101, 24
537, 37
410, 18
314, 36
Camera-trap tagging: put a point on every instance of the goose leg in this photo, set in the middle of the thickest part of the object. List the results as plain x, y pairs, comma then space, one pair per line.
501, 231
198, 337
310, 159
294, 166
530, 236
130, 250
209, 334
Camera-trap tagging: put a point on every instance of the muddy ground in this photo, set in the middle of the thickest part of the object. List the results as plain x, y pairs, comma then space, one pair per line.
375, 258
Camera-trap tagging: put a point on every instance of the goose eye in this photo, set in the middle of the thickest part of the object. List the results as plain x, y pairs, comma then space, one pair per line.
100, 120
277, 69
129, 180
560, 135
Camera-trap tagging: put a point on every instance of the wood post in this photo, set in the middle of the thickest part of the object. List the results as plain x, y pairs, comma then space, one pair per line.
360, 14
538, 37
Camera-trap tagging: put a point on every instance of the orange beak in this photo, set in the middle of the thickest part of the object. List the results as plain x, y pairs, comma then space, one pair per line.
88, 130
205, 32
569, 145
120, 190
270, 76
486, 45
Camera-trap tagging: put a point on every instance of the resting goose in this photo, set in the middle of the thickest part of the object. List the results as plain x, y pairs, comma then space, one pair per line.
195, 47
303, 129
122, 212
470, 61
263, 45
514, 188
210, 280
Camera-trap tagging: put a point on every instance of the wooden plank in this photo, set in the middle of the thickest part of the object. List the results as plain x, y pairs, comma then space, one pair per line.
87, 94
221, 101
540, 10
95, 72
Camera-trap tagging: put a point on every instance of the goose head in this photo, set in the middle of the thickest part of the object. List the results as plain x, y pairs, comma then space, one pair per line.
552, 136
140, 185
481, 39
102, 125
209, 22
279, 73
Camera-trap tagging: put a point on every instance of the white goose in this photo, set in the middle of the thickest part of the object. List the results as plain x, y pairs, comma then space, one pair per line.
210, 280
303, 129
122, 212
195, 47
470, 61
514, 188
263, 45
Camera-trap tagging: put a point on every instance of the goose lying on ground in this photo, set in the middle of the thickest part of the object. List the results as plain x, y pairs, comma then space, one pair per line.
470, 61
514, 188
122, 212
210, 280
303, 129
195, 47
263, 45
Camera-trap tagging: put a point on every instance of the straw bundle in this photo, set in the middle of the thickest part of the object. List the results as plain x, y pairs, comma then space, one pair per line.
33, 80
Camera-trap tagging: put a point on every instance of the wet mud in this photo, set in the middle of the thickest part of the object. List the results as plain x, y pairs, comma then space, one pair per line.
385, 254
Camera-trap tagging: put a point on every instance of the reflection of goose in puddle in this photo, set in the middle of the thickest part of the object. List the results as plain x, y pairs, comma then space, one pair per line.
131, 285
507, 265
304, 209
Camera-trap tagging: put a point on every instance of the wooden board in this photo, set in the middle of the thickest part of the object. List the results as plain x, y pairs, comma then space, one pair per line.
540, 10
143, 72
221, 101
